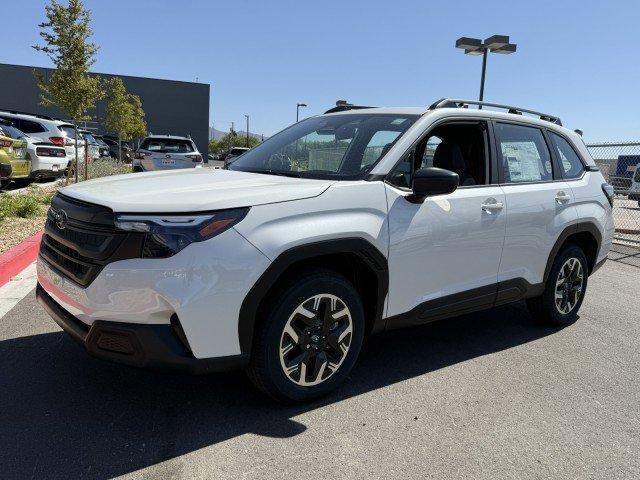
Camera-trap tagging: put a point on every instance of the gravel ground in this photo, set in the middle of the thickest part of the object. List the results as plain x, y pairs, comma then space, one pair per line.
15, 230
489, 395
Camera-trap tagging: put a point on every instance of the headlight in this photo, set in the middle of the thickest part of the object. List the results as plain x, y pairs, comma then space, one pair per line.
166, 235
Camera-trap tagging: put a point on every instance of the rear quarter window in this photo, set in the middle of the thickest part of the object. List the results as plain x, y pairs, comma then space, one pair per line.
572, 166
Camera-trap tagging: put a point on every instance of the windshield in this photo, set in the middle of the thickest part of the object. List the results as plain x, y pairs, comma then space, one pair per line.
89, 137
167, 145
334, 146
13, 132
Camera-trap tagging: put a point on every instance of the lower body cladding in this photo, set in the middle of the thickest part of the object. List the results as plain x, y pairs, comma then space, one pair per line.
179, 312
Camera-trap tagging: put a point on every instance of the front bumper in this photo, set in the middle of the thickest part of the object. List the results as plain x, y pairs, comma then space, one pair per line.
140, 345
204, 285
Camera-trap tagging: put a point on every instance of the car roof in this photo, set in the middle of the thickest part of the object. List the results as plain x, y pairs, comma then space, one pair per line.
486, 112
172, 137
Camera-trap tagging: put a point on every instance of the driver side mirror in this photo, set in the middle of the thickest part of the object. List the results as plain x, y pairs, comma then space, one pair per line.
431, 181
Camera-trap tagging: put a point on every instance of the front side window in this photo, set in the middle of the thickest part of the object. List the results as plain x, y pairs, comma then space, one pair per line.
459, 147
572, 166
523, 154
343, 146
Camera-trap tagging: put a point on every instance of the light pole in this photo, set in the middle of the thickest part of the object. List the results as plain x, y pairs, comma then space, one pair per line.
298, 105
247, 117
494, 44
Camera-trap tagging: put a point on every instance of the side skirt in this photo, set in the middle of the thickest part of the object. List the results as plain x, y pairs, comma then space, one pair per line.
462, 303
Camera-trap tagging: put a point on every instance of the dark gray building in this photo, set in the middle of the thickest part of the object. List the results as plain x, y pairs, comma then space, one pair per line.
171, 107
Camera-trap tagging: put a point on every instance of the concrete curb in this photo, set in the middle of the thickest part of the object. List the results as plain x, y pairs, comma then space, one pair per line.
19, 257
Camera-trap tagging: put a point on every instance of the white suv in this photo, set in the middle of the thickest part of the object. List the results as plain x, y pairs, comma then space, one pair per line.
342, 225
45, 129
166, 152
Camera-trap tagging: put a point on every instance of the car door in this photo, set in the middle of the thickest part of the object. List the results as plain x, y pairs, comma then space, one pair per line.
539, 204
444, 253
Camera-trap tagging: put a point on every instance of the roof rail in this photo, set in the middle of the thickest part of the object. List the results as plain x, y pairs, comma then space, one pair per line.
343, 106
18, 112
457, 103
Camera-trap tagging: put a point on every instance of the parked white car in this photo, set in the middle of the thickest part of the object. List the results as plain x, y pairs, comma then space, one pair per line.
342, 225
69, 133
166, 152
47, 159
59, 132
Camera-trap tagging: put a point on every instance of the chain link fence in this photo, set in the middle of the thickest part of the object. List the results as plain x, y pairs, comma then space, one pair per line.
619, 164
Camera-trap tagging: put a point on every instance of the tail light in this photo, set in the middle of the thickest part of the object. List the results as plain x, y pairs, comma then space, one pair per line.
57, 140
50, 152
609, 192
5, 143
141, 155
195, 158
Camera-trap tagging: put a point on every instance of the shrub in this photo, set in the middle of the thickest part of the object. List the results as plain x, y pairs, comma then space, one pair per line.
22, 205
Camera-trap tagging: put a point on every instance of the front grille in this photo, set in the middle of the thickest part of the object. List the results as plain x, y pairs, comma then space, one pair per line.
87, 242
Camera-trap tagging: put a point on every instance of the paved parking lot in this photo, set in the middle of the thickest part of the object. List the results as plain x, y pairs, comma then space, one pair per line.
489, 395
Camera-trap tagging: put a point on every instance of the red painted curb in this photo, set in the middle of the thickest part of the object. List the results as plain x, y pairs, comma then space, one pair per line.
19, 257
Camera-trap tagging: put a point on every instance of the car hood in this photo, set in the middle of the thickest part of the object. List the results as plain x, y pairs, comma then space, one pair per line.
192, 190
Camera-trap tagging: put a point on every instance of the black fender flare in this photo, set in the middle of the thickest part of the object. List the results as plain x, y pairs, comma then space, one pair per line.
362, 248
589, 227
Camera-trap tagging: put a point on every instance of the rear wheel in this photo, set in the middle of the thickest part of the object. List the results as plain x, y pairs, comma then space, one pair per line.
564, 290
309, 338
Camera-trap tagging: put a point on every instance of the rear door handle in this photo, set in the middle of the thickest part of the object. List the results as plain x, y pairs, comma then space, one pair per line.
491, 205
562, 198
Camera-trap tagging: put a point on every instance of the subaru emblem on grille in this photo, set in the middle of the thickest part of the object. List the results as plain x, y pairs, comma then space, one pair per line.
60, 218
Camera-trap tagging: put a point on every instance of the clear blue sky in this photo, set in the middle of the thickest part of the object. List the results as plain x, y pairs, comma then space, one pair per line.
576, 59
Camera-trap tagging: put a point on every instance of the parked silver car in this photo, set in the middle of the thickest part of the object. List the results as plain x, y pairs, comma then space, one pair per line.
166, 152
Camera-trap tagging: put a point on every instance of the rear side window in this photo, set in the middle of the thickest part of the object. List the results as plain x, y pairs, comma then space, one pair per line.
523, 154
167, 145
27, 126
572, 166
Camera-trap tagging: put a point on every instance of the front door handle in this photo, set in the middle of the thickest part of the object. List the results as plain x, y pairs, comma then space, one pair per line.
562, 198
492, 206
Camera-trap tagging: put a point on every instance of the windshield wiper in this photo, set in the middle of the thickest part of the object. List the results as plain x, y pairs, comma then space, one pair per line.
281, 173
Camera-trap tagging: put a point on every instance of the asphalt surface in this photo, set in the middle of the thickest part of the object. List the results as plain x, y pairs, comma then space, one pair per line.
488, 395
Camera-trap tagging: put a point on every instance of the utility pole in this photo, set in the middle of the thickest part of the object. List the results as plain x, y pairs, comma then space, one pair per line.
247, 117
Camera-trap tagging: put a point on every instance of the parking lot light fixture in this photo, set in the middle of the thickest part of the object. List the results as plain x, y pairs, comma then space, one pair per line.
494, 44
298, 110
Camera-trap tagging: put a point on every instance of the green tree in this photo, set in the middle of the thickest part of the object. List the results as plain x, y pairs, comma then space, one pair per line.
124, 114
66, 42
231, 140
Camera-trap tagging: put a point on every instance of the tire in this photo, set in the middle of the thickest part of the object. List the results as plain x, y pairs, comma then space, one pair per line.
325, 295
5, 183
564, 312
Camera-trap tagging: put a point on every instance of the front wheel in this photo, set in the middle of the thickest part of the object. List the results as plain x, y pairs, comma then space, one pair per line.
564, 289
309, 337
